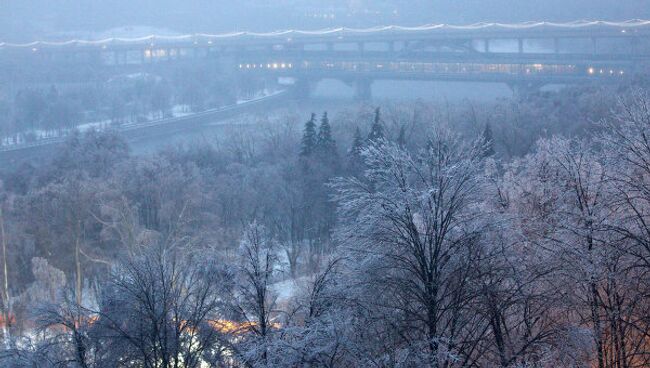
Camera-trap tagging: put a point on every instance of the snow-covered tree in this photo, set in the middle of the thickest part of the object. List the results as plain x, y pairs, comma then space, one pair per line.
255, 303
163, 308
376, 134
412, 232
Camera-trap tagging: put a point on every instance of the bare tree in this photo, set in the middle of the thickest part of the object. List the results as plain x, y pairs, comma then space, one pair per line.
162, 309
256, 300
413, 223
627, 159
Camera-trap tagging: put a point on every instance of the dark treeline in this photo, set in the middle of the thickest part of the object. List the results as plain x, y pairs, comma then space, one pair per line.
415, 235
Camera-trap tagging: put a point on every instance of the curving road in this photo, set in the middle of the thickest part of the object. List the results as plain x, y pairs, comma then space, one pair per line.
11, 157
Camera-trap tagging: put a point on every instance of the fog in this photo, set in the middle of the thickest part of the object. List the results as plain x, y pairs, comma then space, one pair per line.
324, 184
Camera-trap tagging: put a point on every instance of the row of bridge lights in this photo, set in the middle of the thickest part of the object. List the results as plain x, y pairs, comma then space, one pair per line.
590, 70
594, 71
266, 66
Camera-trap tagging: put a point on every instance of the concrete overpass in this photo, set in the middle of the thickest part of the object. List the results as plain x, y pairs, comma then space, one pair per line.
524, 55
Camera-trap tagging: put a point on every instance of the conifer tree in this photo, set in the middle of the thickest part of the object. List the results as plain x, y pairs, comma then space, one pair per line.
355, 161
357, 144
326, 144
488, 141
309, 138
377, 129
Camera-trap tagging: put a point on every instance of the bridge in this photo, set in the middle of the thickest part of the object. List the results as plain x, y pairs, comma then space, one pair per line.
523, 55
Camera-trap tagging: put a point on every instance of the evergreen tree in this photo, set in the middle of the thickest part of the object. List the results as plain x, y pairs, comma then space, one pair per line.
377, 129
355, 161
309, 138
357, 144
488, 141
326, 143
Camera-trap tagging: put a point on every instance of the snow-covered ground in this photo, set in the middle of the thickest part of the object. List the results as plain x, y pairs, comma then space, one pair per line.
258, 95
287, 289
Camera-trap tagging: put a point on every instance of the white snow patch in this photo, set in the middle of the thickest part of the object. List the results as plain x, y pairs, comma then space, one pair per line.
287, 289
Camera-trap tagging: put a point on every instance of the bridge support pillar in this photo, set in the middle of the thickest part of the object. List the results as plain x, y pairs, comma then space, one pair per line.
634, 45
594, 45
122, 55
363, 89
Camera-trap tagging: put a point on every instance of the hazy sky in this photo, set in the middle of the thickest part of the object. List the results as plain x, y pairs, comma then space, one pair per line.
24, 19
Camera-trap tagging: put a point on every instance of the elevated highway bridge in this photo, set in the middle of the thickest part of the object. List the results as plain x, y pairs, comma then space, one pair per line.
524, 55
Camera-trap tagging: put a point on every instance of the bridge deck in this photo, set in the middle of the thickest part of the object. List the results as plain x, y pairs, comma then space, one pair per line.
578, 29
555, 52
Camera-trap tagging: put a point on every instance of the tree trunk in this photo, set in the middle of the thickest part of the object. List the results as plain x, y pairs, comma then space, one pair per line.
597, 326
77, 260
5, 284
432, 327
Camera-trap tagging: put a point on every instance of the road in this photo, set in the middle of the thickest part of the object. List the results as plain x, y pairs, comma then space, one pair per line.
138, 133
